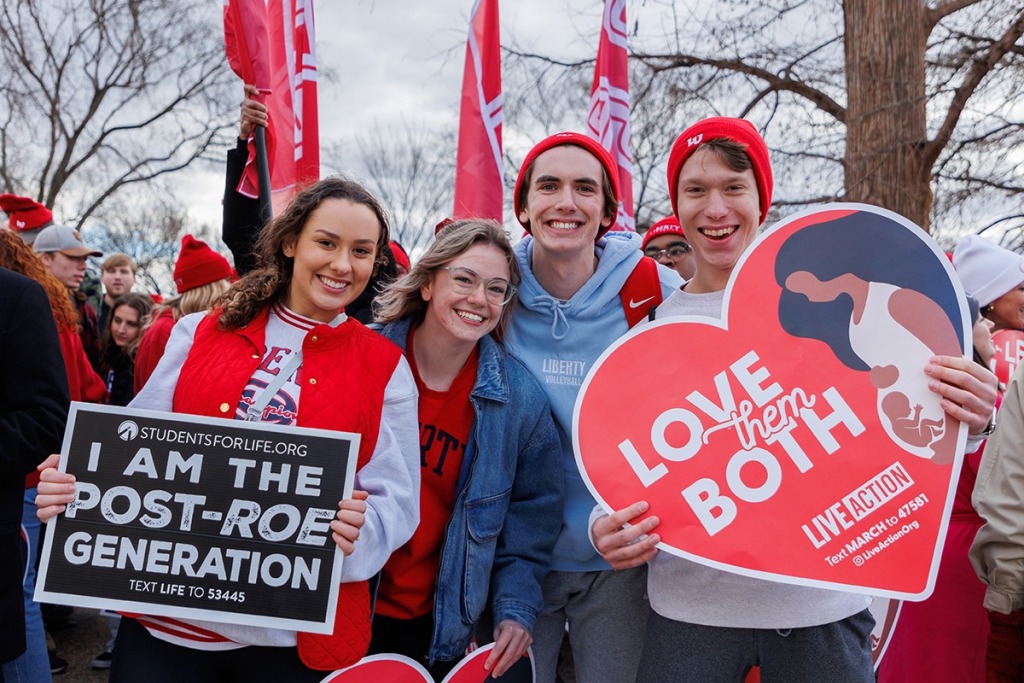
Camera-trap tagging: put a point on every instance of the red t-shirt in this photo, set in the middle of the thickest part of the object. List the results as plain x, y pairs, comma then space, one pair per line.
446, 417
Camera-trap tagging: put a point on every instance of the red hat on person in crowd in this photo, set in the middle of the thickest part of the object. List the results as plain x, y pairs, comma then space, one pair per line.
723, 128
611, 169
443, 223
199, 265
669, 225
25, 215
401, 258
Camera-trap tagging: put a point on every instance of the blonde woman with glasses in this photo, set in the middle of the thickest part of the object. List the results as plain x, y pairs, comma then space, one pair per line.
491, 492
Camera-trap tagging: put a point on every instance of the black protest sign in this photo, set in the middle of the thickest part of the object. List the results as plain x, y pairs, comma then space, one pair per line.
202, 518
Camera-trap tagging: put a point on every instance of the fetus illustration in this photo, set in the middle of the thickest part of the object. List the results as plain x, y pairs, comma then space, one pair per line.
894, 331
884, 304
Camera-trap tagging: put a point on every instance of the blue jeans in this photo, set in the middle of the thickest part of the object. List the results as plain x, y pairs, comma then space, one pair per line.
33, 666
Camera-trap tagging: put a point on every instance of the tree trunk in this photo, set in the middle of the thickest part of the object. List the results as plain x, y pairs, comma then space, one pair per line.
886, 127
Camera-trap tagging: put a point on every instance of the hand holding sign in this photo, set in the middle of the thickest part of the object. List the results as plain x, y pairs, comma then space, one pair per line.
624, 544
801, 438
55, 490
511, 641
349, 520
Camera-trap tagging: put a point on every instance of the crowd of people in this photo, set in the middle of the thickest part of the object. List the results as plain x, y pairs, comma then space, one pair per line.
470, 521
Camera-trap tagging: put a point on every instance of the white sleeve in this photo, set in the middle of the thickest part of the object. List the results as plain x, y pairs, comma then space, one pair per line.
595, 514
158, 392
392, 478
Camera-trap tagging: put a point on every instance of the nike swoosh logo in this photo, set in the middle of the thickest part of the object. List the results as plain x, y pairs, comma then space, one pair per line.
638, 304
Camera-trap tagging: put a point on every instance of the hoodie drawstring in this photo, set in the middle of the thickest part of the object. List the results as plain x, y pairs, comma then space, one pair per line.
558, 319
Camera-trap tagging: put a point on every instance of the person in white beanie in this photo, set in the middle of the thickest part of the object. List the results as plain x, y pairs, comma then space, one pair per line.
995, 277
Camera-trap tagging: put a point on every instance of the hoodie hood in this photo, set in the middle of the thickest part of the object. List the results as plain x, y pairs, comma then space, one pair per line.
617, 254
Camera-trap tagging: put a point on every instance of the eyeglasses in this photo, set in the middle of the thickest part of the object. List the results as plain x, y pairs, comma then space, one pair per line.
498, 291
674, 252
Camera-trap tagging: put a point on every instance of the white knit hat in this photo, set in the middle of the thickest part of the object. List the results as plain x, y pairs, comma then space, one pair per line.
987, 270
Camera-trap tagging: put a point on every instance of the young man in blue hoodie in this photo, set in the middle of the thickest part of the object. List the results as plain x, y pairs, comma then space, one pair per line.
569, 311
706, 624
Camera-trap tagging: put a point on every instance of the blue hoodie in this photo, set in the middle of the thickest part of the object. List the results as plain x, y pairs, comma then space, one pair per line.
559, 342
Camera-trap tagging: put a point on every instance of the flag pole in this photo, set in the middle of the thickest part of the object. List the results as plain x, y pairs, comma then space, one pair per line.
263, 172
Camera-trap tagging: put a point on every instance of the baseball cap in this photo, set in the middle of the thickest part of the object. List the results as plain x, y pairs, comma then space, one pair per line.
67, 241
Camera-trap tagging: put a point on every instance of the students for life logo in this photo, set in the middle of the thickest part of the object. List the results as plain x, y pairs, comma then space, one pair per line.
795, 438
127, 430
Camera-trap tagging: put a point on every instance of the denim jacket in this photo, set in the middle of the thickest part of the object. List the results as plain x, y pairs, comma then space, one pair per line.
508, 506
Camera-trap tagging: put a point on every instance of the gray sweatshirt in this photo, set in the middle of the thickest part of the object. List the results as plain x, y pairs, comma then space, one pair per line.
687, 591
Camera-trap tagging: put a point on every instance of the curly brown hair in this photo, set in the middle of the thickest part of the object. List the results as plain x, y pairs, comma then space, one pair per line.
17, 256
273, 274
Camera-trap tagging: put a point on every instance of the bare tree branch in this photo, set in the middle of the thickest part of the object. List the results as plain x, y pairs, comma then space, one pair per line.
980, 68
773, 82
97, 95
943, 9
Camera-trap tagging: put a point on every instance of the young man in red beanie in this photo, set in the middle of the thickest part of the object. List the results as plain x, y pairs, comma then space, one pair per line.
570, 310
665, 243
707, 624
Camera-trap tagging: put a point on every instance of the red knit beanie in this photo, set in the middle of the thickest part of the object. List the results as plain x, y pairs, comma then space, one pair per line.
668, 225
24, 213
443, 223
198, 265
723, 128
401, 258
611, 169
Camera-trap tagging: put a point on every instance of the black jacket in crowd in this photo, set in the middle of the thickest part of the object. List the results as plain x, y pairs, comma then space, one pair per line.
34, 403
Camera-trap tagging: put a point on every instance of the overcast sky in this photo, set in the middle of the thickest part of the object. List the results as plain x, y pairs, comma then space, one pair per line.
386, 60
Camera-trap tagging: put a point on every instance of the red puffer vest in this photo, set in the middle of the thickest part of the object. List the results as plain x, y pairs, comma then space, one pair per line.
343, 376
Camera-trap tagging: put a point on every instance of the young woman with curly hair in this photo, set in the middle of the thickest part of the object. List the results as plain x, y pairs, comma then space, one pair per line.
315, 258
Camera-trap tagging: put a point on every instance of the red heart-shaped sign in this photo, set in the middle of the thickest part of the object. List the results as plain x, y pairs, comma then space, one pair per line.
377, 668
1009, 347
391, 668
795, 439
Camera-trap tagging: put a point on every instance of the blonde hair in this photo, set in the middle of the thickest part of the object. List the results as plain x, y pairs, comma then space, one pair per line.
117, 260
201, 298
195, 300
402, 299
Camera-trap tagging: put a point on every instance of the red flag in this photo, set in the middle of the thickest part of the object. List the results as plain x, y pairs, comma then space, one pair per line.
608, 118
479, 183
247, 42
293, 140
